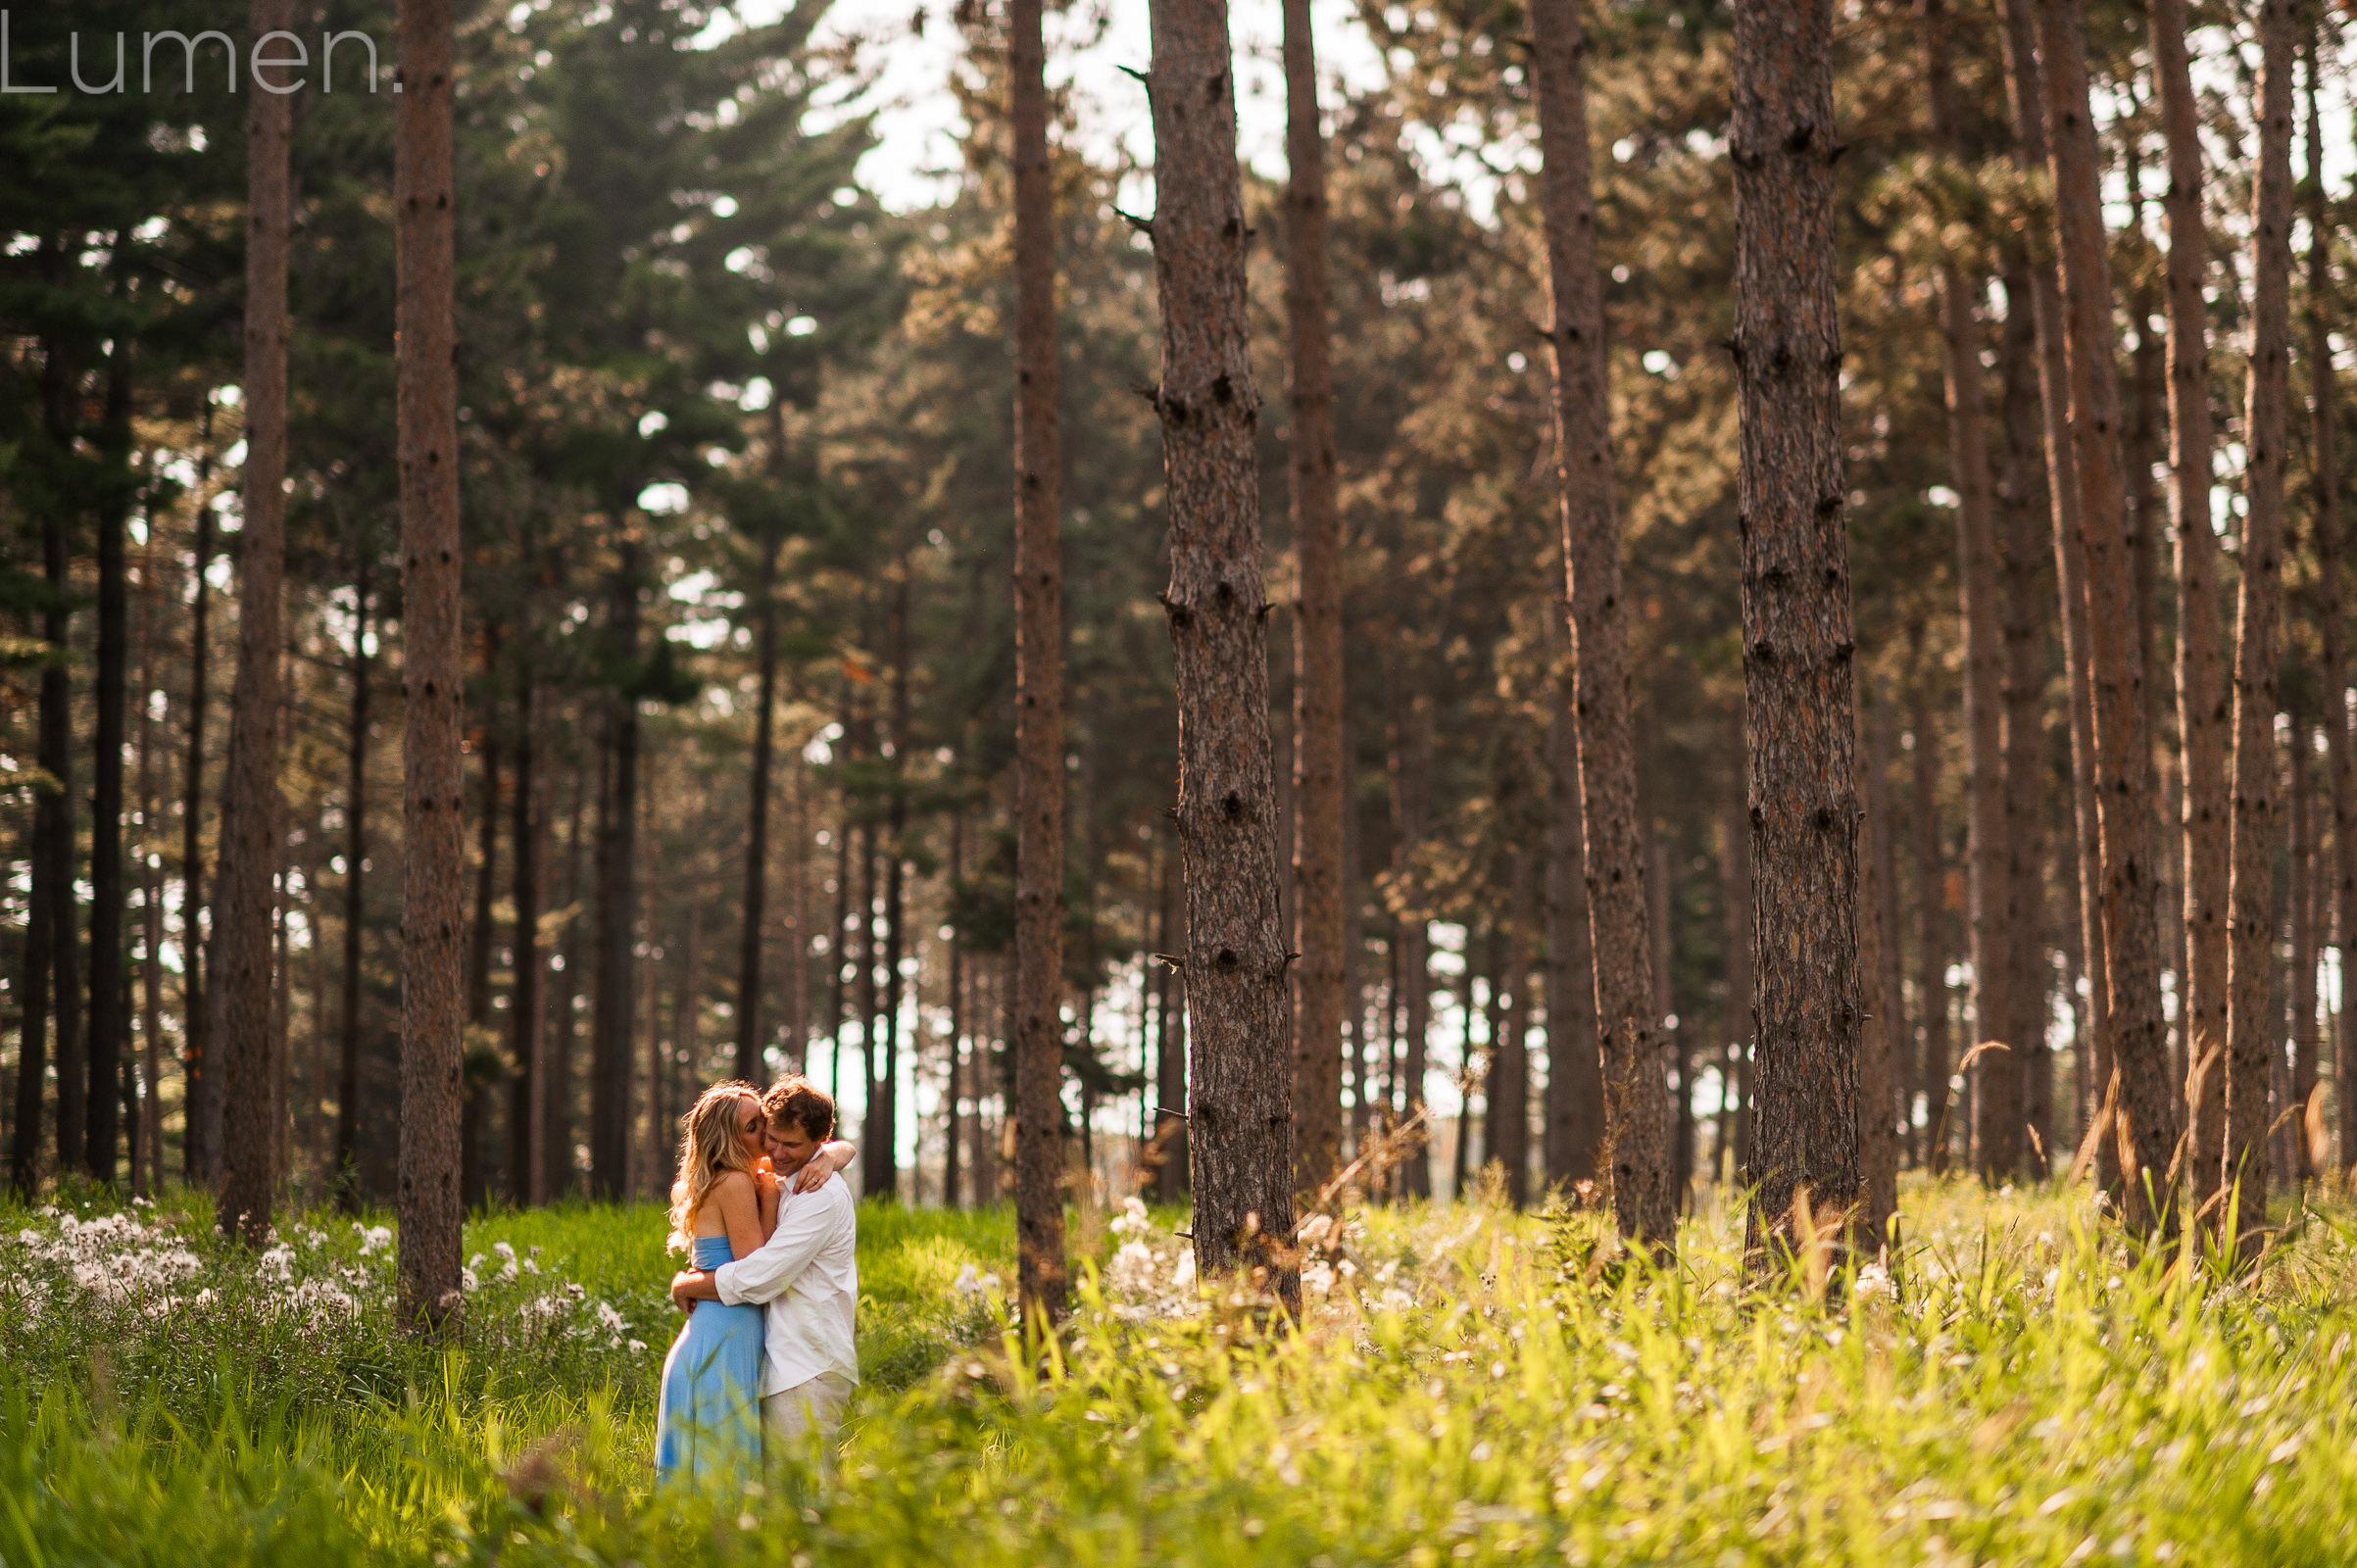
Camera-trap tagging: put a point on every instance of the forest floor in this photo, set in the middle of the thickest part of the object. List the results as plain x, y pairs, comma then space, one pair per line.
1479, 1387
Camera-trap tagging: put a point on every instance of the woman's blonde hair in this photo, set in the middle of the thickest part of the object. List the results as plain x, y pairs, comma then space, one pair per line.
712, 1141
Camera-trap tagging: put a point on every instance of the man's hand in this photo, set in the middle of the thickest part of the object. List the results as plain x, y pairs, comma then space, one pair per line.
692, 1285
830, 1158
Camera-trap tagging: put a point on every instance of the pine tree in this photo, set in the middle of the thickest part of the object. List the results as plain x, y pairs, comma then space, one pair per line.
2030, 151
2122, 752
1318, 640
2252, 1032
433, 683
1799, 646
2201, 695
1039, 804
1997, 1134
1575, 1079
1636, 1108
252, 809
1240, 1094
2026, 538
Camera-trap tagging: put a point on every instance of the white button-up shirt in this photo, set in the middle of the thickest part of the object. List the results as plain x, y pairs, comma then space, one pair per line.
808, 1277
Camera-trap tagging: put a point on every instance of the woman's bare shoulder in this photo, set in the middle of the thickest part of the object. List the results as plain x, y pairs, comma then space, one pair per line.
732, 1184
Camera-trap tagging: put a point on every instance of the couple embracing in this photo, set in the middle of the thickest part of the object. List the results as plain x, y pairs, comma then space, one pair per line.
771, 1231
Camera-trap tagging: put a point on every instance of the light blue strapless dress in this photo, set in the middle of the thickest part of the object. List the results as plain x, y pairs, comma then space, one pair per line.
709, 1424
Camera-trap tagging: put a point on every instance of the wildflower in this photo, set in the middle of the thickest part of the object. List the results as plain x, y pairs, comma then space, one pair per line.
970, 1283
1181, 1278
1132, 1270
373, 1239
1132, 1220
638, 1346
468, 1281
1874, 1280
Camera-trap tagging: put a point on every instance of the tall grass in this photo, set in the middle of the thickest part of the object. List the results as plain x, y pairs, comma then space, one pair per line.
1480, 1389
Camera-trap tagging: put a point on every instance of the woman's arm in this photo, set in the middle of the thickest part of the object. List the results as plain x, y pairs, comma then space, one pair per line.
832, 1156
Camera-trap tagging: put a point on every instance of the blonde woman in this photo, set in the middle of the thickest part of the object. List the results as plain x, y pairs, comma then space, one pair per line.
724, 1206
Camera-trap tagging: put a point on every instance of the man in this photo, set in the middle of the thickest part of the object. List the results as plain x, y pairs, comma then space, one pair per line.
806, 1275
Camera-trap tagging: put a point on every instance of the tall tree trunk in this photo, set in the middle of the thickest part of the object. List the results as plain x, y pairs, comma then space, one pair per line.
884, 1152
1317, 636
797, 1008
475, 1085
756, 832
2202, 695
1509, 1085
2024, 698
1645, 1191
1039, 961
252, 830
1734, 898
1239, 1107
1878, 977
611, 1029
110, 988
952, 1139
2123, 751
1411, 798
147, 1137
1574, 1076
2251, 1029
1997, 1135
1666, 1008
558, 1114
527, 1130
2331, 665
2031, 156
1170, 1039
51, 850
2306, 906
356, 852
1931, 919
433, 678
1798, 639
200, 1111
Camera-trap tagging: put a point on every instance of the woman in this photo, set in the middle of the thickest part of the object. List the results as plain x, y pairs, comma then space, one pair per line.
723, 1205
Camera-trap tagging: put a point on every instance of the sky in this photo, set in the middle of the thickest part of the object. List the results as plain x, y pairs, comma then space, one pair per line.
1088, 45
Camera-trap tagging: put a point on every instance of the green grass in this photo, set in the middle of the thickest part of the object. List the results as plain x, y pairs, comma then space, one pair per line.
2027, 1395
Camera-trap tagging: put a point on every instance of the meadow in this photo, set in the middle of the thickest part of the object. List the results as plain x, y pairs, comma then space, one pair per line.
1469, 1385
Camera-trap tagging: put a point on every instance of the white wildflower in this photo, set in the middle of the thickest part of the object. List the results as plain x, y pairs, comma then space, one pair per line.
1317, 1279
501, 1250
1132, 1220
971, 1282
1181, 1278
638, 1346
278, 1265
1132, 1272
373, 1239
468, 1280
1874, 1280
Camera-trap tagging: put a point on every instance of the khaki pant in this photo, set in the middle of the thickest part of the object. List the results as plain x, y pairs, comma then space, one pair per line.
793, 1416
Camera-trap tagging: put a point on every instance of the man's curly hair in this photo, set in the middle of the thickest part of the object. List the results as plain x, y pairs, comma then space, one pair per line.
797, 1101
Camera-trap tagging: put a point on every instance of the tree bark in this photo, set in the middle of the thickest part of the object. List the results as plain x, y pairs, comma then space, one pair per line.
1734, 898
1317, 636
1575, 1075
55, 742
952, 1139
2332, 664
1170, 1039
2031, 157
109, 987
1240, 1105
147, 1133
475, 1085
884, 1152
200, 1111
52, 853
1878, 1035
2025, 699
1039, 972
2305, 906
1997, 1133
1637, 1108
1411, 798
2251, 1029
1509, 1082
2201, 698
2122, 752
617, 900
433, 681
1798, 639
558, 1114
528, 828
252, 830
1931, 920
756, 832
355, 851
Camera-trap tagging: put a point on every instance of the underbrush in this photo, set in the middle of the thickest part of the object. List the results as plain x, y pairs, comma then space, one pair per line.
1470, 1386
